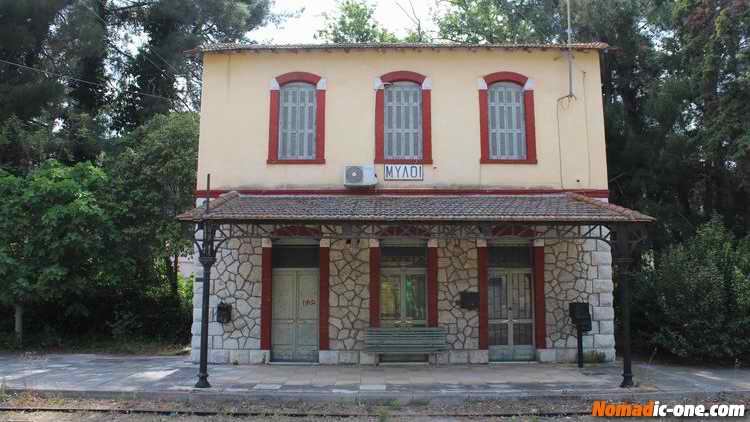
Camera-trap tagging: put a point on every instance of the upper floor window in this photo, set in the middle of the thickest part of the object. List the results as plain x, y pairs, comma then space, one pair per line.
506, 113
297, 119
507, 134
403, 121
297, 122
402, 118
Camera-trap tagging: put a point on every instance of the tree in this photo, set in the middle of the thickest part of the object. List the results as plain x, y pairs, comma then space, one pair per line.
161, 66
500, 21
53, 236
153, 178
354, 23
695, 300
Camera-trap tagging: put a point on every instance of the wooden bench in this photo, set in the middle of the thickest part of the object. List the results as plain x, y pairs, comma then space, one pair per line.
407, 340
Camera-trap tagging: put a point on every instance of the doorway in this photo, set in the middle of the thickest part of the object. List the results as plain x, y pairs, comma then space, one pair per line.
295, 301
510, 303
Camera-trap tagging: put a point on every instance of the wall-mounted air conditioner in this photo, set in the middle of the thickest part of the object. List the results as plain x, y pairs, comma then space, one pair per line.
360, 176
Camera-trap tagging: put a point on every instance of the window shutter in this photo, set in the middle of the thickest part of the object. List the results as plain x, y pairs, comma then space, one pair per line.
403, 121
297, 122
506, 121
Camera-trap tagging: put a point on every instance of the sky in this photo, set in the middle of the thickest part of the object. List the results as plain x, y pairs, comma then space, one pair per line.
302, 29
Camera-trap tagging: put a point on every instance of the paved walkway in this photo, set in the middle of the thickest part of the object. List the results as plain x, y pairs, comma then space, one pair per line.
174, 377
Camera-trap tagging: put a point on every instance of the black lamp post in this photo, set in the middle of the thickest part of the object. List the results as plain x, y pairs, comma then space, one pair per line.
623, 261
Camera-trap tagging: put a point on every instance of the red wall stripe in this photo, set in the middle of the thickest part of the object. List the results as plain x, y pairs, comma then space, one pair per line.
540, 327
273, 127
374, 286
265, 299
528, 103
483, 298
286, 78
432, 287
323, 293
379, 126
214, 193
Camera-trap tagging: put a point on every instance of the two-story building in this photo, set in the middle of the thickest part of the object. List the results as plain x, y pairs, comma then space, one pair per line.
362, 186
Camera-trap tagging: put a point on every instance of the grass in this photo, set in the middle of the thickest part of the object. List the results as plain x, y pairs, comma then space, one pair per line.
97, 344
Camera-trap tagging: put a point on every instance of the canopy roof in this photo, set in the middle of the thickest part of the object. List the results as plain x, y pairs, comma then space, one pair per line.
557, 208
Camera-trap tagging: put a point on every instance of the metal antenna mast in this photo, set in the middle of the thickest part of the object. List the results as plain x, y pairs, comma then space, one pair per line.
570, 55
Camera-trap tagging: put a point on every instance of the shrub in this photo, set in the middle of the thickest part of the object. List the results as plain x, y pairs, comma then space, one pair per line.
695, 300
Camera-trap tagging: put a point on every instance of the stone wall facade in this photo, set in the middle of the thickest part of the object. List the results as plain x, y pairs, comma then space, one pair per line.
457, 272
349, 301
236, 280
578, 271
575, 270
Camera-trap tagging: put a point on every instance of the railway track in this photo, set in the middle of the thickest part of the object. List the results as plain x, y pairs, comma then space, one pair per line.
291, 414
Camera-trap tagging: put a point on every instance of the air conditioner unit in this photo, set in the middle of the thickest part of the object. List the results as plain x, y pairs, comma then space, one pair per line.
360, 176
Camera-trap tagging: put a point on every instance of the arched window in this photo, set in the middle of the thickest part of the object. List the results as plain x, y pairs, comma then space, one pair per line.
403, 121
402, 118
506, 121
297, 119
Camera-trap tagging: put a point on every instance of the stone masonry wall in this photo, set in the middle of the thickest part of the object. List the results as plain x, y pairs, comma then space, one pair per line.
575, 270
457, 272
235, 279
578, 270
349, 299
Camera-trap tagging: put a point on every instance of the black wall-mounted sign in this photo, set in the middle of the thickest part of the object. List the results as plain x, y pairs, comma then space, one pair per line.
223, 313
469, 300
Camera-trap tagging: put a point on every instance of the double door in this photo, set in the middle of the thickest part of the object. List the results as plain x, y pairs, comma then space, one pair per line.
294, 325
511, 315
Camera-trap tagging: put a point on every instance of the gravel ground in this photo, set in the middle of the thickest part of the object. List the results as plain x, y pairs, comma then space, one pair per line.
387, 411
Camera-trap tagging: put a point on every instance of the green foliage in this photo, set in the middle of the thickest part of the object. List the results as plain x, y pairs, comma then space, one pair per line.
354, 23
54, 232
500, 21
153, 180
696, 300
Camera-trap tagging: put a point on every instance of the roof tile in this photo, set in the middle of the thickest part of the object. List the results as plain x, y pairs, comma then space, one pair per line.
566, 207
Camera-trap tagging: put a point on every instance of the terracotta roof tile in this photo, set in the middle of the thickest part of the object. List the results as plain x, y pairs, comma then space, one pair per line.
567, 207
391, 46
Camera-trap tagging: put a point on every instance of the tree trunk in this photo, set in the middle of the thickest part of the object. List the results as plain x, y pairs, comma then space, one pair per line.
19, 323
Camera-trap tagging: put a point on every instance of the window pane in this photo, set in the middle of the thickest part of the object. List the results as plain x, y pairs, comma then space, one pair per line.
498, 308
498, 334
414, 297
403, 121
522, 334
509, 256
506, 122
390, 297
297, 121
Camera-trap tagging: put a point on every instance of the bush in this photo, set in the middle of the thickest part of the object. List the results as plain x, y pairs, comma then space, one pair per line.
695, 300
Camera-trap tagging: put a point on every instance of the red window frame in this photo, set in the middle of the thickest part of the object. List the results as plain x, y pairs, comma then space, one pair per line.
528, 104
400, 76
320, 118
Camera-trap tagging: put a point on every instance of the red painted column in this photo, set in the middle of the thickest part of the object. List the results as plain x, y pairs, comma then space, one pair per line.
273, 126
323, 292
483, 294
265, 296
540, 328
374, 283
432, 283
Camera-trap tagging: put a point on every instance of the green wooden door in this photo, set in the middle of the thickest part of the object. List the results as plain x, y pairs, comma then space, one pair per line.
294, 326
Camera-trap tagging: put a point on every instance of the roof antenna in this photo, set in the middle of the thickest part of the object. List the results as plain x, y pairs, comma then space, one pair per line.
570, 55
